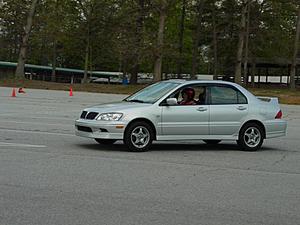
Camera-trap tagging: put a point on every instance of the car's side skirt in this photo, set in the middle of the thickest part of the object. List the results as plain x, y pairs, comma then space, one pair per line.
196, 137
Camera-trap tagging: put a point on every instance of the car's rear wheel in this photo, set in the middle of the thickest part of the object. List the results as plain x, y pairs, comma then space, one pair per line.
251, 137
138, 136
212, 142
105, 141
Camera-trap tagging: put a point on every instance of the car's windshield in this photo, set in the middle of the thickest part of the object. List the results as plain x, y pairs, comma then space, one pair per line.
152, 93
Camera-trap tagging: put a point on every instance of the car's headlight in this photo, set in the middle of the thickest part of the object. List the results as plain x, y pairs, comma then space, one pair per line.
110, 116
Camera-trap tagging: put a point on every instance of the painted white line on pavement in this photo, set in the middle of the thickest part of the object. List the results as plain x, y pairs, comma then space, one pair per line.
6, 144
13, 116
36, 132
50, 124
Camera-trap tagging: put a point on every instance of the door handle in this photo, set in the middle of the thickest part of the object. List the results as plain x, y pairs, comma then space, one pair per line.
241, 108
202, 109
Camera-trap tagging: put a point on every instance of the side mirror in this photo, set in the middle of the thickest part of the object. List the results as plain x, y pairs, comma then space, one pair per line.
172, 101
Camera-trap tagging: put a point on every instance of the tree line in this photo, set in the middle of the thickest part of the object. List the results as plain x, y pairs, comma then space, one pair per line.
160, 36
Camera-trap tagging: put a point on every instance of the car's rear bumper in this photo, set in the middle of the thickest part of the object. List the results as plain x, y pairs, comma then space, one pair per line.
275, 128
99, 129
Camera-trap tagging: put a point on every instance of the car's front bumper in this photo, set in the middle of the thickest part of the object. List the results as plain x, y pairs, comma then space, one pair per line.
100, 129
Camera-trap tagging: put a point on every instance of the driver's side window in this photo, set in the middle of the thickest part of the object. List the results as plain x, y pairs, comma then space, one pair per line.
191, 95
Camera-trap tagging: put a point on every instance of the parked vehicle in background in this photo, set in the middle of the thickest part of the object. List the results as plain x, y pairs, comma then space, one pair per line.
111, 80
218, 111
145, 76
204, 77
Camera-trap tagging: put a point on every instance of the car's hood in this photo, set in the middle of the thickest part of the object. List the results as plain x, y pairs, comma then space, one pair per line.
117, 107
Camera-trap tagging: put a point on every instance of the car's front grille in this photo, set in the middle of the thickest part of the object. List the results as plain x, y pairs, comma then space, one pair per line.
83, 114
91, 115
84, 129
88, 115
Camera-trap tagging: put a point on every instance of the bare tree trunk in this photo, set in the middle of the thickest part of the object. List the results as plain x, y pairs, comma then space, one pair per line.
54, 56
180, 43
22, 55
160, 42
91, 60
16, 48
294, 63
253, 72
215, 43
247, 45
197, 39
87, 51
239, 54
138, 35
88, 11
86, 61
53, 75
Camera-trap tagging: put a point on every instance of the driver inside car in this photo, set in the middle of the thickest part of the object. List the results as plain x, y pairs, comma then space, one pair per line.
188, 95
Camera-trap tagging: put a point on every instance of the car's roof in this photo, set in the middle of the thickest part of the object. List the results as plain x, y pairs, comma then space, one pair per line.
182, 81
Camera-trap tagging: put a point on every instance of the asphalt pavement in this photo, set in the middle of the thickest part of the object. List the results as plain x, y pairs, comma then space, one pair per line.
50, 176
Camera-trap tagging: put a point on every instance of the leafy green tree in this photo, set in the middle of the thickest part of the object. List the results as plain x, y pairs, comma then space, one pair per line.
296, 47
240, 47
12, 15
131, 36
25, 38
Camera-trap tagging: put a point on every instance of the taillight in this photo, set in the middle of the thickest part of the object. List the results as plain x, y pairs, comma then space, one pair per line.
279, 115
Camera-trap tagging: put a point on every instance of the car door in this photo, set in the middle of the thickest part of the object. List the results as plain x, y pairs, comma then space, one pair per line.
228, 109
185, 119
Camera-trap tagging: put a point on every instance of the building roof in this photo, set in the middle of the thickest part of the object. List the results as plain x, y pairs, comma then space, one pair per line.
59, 69
276, 61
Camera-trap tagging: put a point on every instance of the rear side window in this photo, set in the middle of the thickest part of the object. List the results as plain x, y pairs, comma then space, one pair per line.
223, 95
241, 98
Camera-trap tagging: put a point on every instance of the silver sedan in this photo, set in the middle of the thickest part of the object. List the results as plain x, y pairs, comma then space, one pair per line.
173, 110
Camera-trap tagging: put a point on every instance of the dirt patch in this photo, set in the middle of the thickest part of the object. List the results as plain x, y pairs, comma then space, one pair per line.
285, 95
90, 87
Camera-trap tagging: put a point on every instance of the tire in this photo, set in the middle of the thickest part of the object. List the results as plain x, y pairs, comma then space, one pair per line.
212, 142
251, 137
105, 141
138, 136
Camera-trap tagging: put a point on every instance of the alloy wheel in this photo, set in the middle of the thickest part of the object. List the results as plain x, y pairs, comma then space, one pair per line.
140, 137
252, 137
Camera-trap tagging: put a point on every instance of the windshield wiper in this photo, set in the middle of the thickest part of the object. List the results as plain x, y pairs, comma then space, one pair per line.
135, 100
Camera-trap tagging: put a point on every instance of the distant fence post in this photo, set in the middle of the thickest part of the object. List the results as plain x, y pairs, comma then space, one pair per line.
280, 79
253, 73
125, 80
259, 76
288, 75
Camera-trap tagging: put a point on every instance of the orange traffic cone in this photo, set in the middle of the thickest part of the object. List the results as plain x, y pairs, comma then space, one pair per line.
71, 92
13, 94
21, 91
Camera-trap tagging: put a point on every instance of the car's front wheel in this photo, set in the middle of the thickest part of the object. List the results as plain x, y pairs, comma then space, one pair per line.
251, 137
105, 141
138, 136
